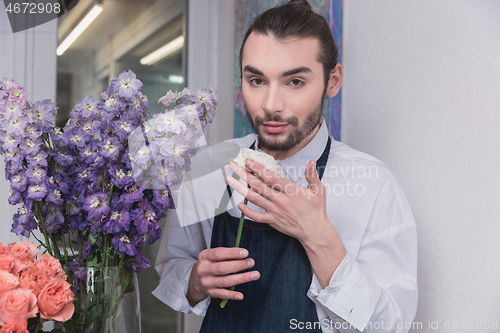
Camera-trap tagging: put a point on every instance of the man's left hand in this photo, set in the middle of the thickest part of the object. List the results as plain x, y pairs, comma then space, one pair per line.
294, 210
290, 208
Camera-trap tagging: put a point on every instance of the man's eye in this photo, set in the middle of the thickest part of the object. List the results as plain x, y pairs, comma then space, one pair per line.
296, 82
256, 81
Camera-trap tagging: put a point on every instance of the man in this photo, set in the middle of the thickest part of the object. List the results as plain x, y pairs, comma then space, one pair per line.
328, 245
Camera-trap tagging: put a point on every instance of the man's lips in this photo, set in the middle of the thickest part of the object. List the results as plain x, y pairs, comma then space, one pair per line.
274, 127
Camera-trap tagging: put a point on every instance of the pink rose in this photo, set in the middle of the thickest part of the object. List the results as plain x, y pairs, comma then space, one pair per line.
1, 247
17, 305
15, 328
34, 278
55, 301
25, 251
52, 265
8, 281
11, 264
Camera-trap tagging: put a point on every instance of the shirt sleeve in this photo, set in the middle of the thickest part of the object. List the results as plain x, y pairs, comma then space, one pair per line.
179, 249
376, 291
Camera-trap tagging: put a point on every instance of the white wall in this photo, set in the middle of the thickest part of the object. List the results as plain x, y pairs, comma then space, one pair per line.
422, 93
29, 58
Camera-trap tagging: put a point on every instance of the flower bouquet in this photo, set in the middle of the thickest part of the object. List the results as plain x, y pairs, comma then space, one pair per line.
31, 291
96, 188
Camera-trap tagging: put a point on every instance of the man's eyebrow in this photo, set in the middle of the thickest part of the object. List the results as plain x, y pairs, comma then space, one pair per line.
296, 71
252, 70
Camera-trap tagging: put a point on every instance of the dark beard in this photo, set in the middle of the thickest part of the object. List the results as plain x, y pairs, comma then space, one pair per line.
294, 138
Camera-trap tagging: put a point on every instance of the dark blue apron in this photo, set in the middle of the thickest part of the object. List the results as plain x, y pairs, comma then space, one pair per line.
280, 295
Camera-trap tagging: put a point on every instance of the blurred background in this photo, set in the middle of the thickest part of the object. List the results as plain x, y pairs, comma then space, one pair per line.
421, 92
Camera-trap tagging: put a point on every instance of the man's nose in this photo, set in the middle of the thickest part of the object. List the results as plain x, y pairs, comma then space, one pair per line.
273, 101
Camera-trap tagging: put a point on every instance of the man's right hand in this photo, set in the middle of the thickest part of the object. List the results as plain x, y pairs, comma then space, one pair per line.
213, 273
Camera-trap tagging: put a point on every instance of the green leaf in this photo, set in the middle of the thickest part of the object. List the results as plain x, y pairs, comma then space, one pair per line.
92, 239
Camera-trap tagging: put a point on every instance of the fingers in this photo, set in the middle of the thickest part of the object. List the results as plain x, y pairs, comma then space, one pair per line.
213, 283
256, 216
271, 178
257, 198
312, 177
221, 268
216, 270
223, 253
267, 190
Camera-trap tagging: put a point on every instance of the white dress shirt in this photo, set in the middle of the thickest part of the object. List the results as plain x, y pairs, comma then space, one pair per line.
375, 287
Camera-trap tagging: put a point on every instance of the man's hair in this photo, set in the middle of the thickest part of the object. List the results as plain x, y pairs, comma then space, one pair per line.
297, 19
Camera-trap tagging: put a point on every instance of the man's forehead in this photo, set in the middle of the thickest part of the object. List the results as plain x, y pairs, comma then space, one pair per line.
264, 47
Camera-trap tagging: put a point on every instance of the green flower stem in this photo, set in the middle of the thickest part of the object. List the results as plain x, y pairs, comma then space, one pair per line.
240, 227
80, 245
42, 227
237, 244
64, 248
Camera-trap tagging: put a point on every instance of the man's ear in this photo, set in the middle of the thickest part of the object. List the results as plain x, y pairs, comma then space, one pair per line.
335, 81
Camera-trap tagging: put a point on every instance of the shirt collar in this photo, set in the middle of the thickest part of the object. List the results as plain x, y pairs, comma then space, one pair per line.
295, 165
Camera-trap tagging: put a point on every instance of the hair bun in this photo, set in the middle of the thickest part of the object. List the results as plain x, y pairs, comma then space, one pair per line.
301, 3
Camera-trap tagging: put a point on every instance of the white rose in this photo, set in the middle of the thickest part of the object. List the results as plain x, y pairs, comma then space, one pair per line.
267, 161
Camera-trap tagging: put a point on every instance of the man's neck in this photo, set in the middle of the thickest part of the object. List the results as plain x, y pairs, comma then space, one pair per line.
281, 155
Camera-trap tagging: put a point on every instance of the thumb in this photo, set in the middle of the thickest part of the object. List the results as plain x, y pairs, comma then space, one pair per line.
312, 177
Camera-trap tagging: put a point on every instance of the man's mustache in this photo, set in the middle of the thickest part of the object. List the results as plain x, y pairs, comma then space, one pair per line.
293, 120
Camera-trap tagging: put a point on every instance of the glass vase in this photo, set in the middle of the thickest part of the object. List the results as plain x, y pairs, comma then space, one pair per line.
108, 301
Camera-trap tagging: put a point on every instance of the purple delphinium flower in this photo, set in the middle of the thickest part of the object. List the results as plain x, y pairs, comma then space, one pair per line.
170, 121
117, 221
78, 223
61, 181
153, 235
122, 127
29, 146
59, 137
35, 174
162, 199
10, 142
54, 218
97, 206
23, 222
39, 159
83, 176
79, 274
37, 192
54, 196
15, 197
87, 248
64, 159
15, 127
84, 108
77, 138
126, 84
90, 153
124, 244
45, 113
19, 182
174, 150
144, 217
169, 98
110, 148
13, 109
120, 177
90, 127
140, 262
131, 195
